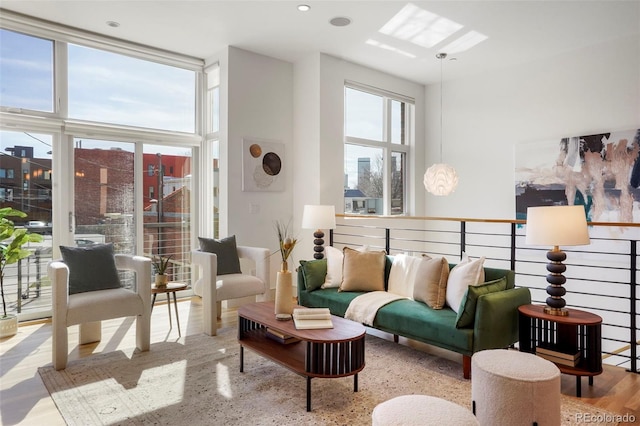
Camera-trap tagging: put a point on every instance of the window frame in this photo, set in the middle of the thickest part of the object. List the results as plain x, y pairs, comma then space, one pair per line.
388, 147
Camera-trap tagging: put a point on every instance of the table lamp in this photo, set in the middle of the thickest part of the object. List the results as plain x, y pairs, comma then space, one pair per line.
556, 226
318, 218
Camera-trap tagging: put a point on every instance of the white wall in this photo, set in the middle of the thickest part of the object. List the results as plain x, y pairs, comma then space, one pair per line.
319, 135
259, 105
581, 92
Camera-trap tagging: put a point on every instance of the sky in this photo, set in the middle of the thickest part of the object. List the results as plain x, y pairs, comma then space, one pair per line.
113, 88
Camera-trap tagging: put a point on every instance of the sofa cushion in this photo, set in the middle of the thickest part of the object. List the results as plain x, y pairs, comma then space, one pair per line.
91, 268
331, 298
314, 272
431, 282
467, 272
415, 320
363, 271
227, 252
467, 313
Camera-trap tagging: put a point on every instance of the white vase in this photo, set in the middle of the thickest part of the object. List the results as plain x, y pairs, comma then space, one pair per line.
284, 293
8, 326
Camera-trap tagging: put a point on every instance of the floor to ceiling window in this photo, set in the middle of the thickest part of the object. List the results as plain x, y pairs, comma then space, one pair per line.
378, 130
101, 143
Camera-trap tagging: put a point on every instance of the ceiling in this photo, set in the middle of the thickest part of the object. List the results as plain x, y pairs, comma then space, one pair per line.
516, 32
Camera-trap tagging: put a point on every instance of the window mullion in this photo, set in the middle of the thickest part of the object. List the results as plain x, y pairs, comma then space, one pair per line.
60, 80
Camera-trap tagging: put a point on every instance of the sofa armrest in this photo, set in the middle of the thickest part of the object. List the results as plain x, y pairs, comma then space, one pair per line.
302, 284
496, 321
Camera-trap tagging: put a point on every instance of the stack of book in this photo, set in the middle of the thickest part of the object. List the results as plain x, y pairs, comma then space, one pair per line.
563, 356
281, 337
311, 318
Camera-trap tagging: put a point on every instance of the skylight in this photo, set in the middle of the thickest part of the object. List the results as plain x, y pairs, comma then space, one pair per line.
465, 42
384, 46
427, 29
419, 26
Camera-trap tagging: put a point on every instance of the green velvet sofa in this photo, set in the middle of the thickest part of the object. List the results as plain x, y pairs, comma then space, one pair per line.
496, 315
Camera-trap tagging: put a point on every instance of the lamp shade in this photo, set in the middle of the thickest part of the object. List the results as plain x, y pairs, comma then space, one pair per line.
440, 179
318, 217
557, 226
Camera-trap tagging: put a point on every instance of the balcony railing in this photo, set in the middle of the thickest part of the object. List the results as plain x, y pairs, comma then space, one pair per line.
28, 289
602, 277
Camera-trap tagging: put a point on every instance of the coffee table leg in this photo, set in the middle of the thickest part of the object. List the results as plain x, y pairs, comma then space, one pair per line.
579, 386
308, 393
355, 382
241, 358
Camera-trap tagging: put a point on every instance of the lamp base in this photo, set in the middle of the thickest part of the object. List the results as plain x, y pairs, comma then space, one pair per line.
318, 248
561, 312
555, 290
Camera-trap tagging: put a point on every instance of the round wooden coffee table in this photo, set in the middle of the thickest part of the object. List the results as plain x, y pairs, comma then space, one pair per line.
323, 353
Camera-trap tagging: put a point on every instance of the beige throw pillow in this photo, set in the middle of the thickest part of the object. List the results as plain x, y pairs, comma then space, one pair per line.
430, 284
362, 271
467, 272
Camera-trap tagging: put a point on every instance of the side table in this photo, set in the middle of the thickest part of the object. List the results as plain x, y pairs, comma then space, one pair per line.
580, 331
170, 288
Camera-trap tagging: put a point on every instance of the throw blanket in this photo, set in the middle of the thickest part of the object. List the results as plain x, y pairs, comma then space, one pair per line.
363, 309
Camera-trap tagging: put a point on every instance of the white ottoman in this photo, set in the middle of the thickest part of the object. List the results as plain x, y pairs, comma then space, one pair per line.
421, 410
514, 388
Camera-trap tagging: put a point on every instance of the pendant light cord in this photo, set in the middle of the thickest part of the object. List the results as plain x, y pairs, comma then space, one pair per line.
441, 56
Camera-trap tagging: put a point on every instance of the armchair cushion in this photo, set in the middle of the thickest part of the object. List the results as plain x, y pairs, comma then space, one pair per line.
227, 252
91, 268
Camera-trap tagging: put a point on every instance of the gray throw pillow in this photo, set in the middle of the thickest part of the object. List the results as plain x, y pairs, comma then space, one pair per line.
227, 251
91, 268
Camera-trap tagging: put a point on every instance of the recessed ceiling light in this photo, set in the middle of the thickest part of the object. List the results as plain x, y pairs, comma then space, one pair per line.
304, 7
340, 21
113, 24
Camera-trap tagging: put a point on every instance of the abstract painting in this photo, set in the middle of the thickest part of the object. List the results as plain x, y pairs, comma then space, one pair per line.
262, 165
600, 171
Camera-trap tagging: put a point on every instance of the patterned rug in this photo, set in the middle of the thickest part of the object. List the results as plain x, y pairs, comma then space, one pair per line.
197, 381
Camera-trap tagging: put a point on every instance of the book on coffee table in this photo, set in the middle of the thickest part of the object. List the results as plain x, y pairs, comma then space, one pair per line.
312, 318
281, 337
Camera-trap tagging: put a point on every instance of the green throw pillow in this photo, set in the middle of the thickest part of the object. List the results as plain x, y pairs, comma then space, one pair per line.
227, 252
91, 268
314, 272
467, 311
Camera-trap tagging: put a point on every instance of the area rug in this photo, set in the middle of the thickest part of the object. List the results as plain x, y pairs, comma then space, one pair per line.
197, 381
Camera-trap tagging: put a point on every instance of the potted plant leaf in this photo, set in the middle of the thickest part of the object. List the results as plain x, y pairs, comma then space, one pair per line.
12, 240
161, 264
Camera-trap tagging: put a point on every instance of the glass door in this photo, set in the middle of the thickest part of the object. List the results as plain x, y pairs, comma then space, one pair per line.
167, 207
25, 185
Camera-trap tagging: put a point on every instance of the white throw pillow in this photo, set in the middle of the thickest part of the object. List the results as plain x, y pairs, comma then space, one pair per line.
335, 258
403, 275
467, 272
334, 267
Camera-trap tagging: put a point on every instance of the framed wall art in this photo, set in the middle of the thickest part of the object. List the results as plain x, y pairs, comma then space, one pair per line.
262, 165
600, 171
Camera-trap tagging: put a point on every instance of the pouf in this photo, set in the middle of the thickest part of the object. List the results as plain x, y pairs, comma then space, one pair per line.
514, 388
421, 410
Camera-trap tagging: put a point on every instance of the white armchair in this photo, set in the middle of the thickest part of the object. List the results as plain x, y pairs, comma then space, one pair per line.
214, 289
88, 309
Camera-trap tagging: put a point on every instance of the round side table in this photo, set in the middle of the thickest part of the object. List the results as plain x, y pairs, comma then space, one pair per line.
170, 288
